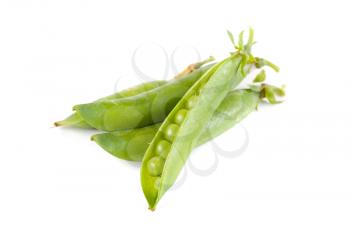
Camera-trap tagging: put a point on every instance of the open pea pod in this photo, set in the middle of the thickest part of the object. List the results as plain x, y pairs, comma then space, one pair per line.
160, 168
180, 131
132, 144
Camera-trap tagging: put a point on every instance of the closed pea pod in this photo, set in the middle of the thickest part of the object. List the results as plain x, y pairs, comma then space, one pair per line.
127, 144
75, 120
141, 110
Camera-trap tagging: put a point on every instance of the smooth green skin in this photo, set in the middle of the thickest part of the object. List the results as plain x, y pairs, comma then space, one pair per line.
132, 144
213, 86
141, 110
75, 120
127, 144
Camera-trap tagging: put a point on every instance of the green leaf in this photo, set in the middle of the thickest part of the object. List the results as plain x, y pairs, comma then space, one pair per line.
271, 97
279, 91
272, 92
240, 41
251, 37
231, 38
251, 42
260, 77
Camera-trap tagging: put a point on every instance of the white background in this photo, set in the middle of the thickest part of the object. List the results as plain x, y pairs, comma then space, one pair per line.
293, 177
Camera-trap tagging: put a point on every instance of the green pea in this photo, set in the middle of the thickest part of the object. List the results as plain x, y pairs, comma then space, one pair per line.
163, 148
191, 102
155, 166
171, 131
180, 116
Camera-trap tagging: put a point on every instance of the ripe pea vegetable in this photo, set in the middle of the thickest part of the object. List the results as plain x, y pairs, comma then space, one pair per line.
75, 120
194, 109
141, 110
132, 144
201, 101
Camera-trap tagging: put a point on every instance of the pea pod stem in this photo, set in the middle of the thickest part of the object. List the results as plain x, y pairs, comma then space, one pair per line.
260, 62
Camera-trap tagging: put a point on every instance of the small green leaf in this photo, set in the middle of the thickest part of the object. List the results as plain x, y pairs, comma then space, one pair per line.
271, 97
279, 91
260, 77
231, 38
251, 37
272, 92
240, 40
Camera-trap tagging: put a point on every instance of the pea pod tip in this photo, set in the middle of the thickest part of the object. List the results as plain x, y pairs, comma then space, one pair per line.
93, 137
57, 124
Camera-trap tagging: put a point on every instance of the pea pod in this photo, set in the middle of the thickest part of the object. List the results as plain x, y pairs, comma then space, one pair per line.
162, 165
75, 120
159, 171
132, 144
141, 110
